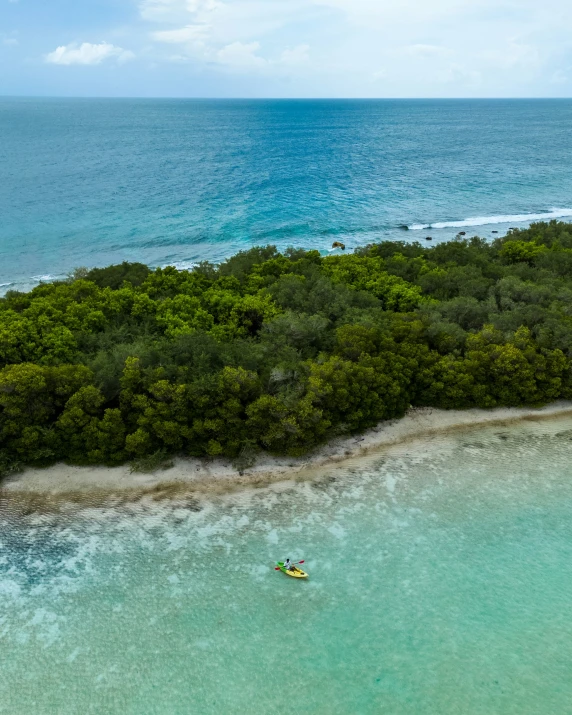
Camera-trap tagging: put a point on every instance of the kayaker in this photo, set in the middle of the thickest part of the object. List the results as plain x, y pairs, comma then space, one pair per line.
288, 565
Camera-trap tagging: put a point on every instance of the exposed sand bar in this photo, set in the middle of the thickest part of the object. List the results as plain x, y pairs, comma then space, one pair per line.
194, 475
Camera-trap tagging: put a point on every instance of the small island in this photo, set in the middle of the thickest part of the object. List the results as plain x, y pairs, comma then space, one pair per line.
278, 353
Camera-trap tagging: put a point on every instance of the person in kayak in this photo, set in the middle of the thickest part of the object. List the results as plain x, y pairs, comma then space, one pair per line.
288, 565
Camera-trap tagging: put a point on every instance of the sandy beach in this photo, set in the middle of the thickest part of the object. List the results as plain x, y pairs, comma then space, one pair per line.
63, 481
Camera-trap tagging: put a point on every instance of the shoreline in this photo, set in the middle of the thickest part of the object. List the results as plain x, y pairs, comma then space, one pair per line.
62, 482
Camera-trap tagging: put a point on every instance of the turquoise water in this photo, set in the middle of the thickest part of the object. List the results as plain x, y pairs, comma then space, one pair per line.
94, 182
440, 582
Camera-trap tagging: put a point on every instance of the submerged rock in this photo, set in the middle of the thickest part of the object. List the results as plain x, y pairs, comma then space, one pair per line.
338, 244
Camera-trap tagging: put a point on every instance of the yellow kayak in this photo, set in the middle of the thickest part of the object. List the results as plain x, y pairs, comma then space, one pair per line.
294, 572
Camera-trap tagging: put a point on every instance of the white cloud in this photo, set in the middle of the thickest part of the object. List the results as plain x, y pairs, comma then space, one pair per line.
515, 55
87, 54
296, 55
559, 77
227, 33
230, 21
359, 47
160, 10
203, 5
189, 33
9, 40
177, 10
459, 74
420, 50
241, 56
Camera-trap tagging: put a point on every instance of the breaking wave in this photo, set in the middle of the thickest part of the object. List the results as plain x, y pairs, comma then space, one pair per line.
489, 220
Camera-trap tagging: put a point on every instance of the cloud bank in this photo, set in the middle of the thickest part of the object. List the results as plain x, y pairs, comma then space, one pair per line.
361, 48
87, 54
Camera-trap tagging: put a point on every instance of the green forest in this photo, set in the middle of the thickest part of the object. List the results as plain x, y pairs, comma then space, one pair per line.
280, 351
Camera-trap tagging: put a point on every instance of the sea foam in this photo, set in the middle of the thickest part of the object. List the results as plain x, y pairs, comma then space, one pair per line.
490, 220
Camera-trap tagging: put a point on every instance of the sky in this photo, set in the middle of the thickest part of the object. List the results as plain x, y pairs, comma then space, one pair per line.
286, 48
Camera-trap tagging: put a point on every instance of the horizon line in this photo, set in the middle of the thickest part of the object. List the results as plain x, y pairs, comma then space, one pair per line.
283, 99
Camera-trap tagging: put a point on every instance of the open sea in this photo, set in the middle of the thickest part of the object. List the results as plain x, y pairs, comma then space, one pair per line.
89, 182
440, 584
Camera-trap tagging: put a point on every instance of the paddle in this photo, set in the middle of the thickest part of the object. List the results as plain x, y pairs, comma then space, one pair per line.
279, 568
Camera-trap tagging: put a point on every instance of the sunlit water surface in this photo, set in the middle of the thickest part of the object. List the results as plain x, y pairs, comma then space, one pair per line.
440, 582
89, 182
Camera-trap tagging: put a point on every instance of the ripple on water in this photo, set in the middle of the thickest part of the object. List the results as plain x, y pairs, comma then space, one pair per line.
439, 582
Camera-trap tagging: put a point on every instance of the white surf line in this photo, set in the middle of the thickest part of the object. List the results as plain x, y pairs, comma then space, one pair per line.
490, 220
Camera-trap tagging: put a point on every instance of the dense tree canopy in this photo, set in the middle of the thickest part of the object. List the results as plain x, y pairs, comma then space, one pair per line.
280, 351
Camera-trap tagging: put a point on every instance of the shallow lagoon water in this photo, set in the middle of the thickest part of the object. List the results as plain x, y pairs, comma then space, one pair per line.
440, 582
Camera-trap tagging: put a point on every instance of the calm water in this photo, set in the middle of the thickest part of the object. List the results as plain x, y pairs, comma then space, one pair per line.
91, 182
440, 582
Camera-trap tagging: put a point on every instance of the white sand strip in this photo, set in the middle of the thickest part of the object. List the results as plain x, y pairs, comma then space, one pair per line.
194, 474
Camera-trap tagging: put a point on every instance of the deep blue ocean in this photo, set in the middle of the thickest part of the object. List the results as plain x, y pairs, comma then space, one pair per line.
89, 182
